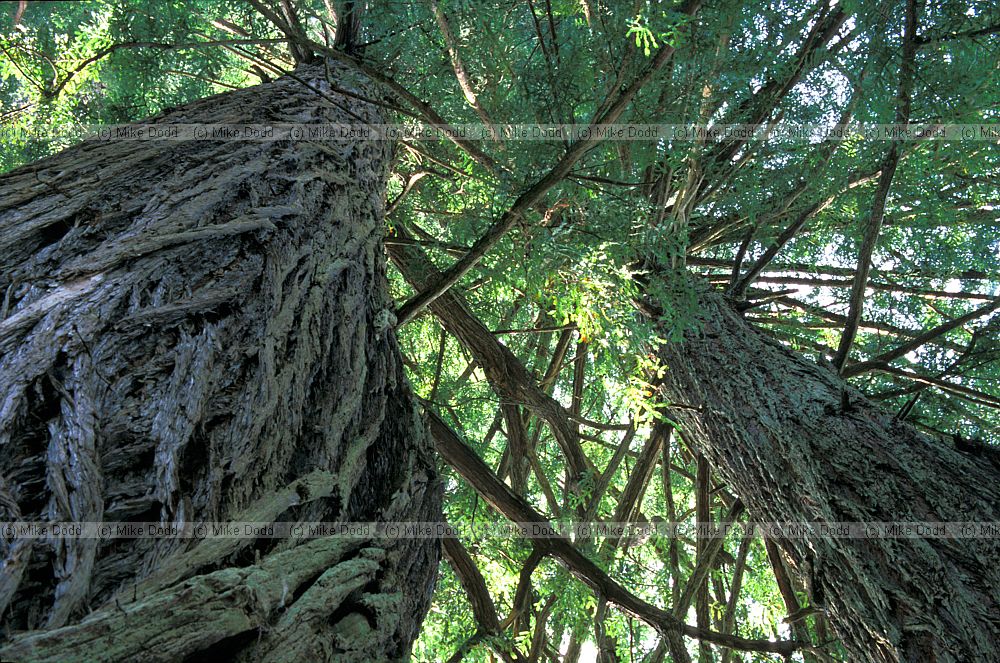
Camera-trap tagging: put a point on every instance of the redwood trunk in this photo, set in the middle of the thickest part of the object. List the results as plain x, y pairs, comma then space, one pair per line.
798, 445
200, 331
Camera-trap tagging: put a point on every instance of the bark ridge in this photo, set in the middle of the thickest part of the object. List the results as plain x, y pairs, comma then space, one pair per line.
799, 445
200, 331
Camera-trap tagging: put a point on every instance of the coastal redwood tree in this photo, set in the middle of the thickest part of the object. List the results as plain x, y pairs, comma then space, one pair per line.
800, 445
199, 331
842, 267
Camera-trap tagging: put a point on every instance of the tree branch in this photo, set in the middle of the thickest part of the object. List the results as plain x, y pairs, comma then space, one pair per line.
923, 40
922, 339
474, 584
459, 67
889, 165
502, 498
789, 233
576, 151
507, 375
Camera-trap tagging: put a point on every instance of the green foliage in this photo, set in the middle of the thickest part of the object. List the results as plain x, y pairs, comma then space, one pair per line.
578, 264
644, 37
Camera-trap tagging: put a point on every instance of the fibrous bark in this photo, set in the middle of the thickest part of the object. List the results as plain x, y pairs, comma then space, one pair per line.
800, 446
199, 331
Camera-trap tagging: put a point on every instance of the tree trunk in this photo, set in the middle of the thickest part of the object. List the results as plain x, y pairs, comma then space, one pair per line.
798, 445
196, 331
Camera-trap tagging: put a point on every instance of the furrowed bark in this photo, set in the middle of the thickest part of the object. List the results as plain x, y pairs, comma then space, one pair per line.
200, 331
797, 444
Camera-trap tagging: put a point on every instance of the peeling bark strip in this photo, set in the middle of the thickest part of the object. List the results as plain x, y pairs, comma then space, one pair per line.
197, 330
798, 445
